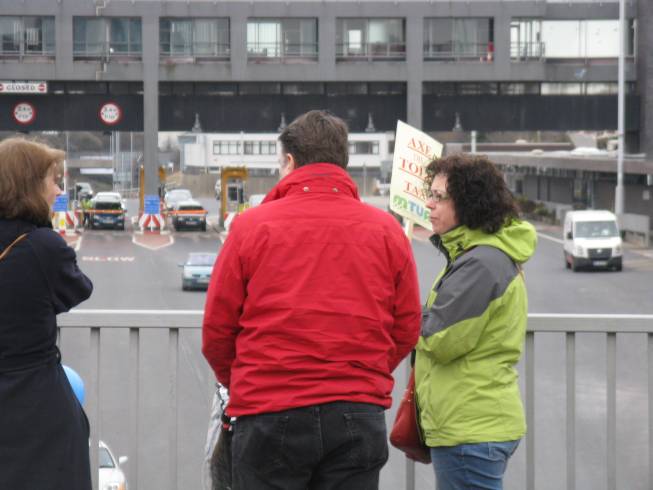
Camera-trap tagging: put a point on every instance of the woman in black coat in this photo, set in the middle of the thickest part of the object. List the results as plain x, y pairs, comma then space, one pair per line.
43, 429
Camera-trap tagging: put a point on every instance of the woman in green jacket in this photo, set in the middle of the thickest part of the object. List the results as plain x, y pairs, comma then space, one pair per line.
474, 325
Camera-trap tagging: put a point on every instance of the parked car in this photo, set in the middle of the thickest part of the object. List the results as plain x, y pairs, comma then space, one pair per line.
592, 239
107, 209
111, 477
175, 196
196, 271
189, 214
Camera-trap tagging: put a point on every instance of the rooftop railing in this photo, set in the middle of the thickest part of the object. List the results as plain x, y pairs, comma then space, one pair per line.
144, 373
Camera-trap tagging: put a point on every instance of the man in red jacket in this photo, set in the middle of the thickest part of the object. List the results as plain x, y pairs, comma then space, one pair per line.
313, 302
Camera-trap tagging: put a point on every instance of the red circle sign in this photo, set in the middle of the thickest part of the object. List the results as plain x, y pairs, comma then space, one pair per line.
110, 113
24, 113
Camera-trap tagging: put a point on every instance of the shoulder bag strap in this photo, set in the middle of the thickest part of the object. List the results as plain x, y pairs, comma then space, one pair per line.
8, 249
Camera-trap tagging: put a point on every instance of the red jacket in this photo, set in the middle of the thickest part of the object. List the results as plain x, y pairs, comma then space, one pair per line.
313, 298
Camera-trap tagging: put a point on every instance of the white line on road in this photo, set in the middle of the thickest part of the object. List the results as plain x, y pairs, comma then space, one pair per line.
549, 237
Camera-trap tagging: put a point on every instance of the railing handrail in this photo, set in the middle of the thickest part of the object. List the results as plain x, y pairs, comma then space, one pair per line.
537, 322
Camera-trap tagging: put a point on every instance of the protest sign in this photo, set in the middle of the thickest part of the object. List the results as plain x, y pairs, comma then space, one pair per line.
413, 152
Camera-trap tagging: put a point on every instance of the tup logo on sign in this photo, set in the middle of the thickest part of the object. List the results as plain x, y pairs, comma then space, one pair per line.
24, 113
110, 113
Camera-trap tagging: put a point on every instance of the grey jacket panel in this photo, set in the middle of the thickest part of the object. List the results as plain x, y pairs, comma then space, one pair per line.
465, 291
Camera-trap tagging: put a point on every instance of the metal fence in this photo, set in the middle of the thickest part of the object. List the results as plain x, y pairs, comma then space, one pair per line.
163, 395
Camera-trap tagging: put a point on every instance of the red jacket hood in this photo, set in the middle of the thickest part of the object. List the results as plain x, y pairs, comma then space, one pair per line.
314, 175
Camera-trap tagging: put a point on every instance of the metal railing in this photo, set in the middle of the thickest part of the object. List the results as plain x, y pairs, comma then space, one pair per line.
107, 51
457, 51
178, 332
196, 51
260, 51
381, 51
526, 51
29, 54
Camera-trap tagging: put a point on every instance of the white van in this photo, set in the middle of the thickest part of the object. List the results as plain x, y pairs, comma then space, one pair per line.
591, 239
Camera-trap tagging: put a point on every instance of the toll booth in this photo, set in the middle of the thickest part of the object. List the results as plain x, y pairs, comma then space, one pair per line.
232, 191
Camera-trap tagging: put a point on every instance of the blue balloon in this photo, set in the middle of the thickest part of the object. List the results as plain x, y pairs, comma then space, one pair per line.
76, 383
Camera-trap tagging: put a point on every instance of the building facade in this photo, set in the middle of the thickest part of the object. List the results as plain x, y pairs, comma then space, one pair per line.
487, 65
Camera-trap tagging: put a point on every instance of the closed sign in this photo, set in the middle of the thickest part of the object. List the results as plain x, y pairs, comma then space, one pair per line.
110, 113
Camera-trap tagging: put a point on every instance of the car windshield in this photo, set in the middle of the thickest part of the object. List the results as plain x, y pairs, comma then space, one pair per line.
201, 259
596, 229
104, 205
105, 459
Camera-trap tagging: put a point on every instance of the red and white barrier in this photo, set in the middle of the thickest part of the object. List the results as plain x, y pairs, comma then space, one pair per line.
151, 221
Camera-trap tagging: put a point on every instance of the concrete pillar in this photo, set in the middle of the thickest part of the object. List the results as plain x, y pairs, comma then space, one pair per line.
151, 101
645, 75
415, 68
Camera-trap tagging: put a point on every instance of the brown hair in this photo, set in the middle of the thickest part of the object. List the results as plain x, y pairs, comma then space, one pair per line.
479, 193
317, 137
24, 165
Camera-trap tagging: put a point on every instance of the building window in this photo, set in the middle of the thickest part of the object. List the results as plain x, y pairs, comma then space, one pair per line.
26, 37
526, 39
452, 39
281, 39
194, 38
226, 147
107, 37
519, 88
303, 88
260, 148
370, 39
585, 39
363, 147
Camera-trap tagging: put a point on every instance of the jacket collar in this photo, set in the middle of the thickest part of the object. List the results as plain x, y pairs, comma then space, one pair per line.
516, 239
314, 177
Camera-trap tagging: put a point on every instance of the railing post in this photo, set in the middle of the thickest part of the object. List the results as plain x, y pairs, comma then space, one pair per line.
571, 410
650, 410
611, 451
95, 426
134, 405
530, 410
173, 351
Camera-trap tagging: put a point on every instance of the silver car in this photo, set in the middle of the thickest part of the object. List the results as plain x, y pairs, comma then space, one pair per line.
196, 271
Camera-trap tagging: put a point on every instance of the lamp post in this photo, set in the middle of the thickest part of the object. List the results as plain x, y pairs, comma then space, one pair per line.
619, 191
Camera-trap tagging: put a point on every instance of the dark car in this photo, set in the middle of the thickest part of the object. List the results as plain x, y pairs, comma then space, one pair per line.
107, 211
188, 214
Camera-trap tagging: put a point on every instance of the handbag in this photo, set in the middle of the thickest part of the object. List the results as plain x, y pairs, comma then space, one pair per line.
406, 433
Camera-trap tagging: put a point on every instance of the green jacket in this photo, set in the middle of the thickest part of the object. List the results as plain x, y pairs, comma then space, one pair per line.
472, 336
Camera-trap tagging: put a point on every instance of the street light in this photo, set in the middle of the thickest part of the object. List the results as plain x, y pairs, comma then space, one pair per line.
621, 109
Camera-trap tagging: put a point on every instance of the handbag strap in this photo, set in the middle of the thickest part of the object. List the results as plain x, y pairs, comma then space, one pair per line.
8, 249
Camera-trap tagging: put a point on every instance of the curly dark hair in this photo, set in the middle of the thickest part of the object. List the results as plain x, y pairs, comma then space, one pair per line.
480, 195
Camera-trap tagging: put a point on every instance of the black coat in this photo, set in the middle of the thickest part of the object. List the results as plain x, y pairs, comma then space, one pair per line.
43, 429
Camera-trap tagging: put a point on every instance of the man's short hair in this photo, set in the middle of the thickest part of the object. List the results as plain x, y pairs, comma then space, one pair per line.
24, 164
317, 137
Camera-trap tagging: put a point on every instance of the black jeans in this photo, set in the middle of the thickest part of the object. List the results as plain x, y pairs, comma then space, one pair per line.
332, 446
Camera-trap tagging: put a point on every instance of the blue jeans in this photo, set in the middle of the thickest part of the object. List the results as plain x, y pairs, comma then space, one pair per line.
332, 446
472, 466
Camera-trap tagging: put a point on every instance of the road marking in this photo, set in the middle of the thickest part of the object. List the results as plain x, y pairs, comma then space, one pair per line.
170, 240
549, 237
101, 258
